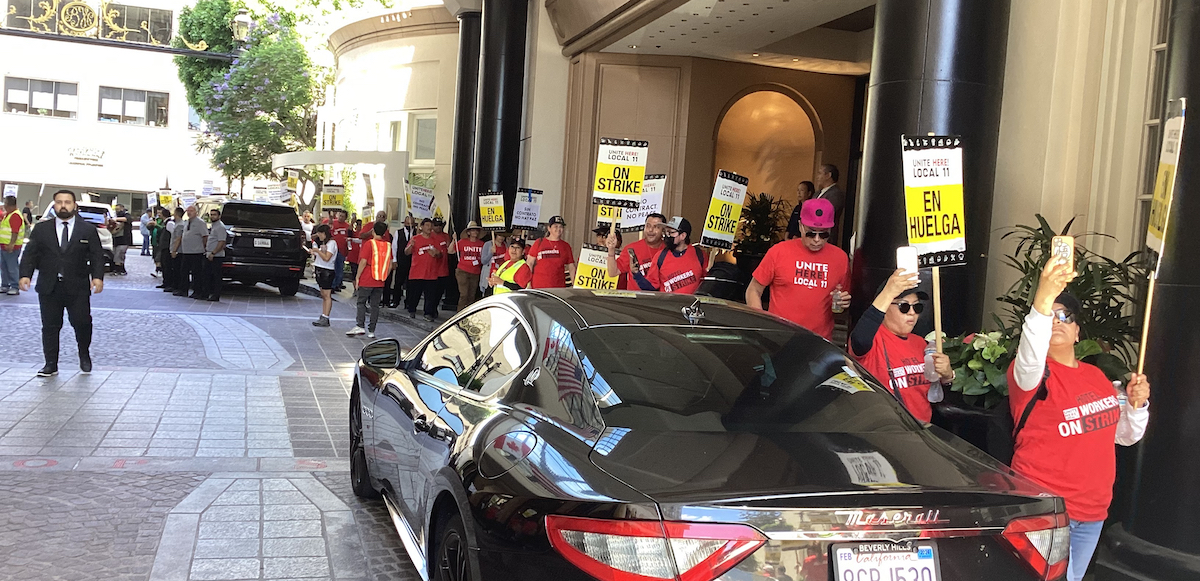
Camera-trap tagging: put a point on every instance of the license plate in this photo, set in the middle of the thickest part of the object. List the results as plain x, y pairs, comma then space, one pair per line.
262, 242
887, 561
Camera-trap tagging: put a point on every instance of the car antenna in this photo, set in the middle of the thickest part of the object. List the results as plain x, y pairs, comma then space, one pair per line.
693, 313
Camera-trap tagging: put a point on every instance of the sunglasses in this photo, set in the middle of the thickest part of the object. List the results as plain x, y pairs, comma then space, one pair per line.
814, 234
904, 307
1063, 316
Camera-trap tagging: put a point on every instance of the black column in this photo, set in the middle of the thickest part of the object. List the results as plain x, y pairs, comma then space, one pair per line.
462, 164
1161, 537
501, 94
938, 66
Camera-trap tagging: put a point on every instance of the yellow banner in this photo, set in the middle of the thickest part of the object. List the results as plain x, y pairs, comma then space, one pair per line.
332, 200
608, 215
491, 211
620, 171
1164, 184
724, 210
165, 200
591, 270
933, 199
935, 213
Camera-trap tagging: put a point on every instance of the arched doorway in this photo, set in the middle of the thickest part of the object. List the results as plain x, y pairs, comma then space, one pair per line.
765, 135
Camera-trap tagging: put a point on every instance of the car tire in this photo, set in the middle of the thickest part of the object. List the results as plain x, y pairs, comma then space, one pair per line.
288, 288
360, 473
452, 560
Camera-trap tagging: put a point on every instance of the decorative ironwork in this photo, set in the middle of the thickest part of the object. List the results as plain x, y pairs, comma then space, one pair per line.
114, 29
81, 18
202, 45
49, 10
77, 19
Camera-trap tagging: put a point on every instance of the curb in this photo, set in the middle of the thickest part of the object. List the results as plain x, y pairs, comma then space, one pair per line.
397, 315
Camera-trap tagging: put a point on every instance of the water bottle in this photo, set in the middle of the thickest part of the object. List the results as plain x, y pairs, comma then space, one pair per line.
837, 300
1122, 396
936, 394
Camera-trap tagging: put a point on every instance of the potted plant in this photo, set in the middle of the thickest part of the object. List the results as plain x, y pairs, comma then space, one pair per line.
762, 225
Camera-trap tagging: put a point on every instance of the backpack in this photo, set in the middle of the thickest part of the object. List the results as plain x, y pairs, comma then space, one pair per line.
662, 256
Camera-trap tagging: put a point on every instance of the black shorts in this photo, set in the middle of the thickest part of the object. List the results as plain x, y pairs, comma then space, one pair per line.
324, 277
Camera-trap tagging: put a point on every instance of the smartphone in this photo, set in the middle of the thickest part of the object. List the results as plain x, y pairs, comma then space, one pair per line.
906, 259
1064, 247
633, 261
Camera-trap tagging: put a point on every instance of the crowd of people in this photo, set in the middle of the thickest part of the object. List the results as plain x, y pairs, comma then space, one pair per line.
188, 251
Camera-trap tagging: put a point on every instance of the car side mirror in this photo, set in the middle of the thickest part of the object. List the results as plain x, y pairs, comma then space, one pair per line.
384, 354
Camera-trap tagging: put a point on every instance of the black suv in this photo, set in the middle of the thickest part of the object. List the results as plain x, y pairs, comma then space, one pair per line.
266, 244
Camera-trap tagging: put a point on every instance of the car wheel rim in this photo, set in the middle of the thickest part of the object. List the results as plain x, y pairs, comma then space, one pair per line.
453, 560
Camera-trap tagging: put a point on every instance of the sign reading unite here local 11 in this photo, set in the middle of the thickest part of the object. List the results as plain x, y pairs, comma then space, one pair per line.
933, 199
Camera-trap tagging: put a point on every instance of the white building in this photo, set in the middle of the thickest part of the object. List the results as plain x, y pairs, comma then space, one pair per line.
113, 121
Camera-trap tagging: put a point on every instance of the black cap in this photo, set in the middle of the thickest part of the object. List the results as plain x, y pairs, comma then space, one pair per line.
601, 230
1070, 303
679, 224
557, 220
915, 290
438, 220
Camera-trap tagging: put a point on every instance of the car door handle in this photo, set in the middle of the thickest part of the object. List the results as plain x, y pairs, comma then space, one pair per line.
421, 424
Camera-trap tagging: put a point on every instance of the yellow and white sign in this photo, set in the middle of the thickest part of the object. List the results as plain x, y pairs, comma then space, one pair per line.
634, 219
725, 210
293, 180
528, 209
620, 170
608, 215
165, 198
591, 270
933, 199
491, 211
332, 197
1164, 183
421, 202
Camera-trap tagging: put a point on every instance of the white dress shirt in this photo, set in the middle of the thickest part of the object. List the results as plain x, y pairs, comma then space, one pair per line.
59, 224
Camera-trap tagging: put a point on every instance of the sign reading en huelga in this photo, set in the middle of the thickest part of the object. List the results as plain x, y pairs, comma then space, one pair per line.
591, 271
491, 211
620, 170
933, 198
1164, 183
332, 197
725, 210
528, 209
634, 219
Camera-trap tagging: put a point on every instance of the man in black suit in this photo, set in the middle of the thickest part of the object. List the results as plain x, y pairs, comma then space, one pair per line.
67, 254
828, 189
394, 295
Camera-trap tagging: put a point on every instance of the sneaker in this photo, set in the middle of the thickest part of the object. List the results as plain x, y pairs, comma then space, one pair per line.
429, 318
48, 371
370, 334
321, 322
12, 292
356, 331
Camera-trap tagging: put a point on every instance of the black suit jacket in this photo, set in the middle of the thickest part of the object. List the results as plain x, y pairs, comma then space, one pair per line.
74, 266
400, 238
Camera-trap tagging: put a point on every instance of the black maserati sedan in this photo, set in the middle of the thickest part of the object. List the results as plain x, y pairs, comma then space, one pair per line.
627, 436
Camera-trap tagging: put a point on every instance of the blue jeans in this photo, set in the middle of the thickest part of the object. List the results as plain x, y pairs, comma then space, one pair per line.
145, 243
339, 268
10, 273
1084, 537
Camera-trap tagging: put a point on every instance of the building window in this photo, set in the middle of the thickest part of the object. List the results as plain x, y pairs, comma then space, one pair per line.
49, 98
424, 138
137, 24
133, 107
1155, 111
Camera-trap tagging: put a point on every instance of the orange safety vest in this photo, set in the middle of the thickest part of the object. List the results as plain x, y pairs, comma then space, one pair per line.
381, 258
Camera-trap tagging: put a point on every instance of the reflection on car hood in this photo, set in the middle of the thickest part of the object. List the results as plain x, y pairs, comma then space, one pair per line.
707, 466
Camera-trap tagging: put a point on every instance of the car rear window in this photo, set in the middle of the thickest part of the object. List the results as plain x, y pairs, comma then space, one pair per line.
684, 378
252, 216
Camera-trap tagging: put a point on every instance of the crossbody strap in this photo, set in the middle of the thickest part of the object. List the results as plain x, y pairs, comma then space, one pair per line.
1042, 393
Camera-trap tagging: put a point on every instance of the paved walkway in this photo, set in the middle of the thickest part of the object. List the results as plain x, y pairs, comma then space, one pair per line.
209, 443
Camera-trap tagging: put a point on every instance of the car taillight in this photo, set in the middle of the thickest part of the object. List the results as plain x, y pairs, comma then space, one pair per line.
623, 550
1044, 542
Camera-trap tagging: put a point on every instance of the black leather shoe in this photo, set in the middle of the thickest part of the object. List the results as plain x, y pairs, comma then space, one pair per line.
213, 298
179, 294
48, 370
85, 363
168, 289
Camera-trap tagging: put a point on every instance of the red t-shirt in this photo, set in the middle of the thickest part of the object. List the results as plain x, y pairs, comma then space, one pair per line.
645, 257
552, 256
424, 265
13, 222
339, 231
443, 244
470, 256
801, 282
679, 274
1068, 443
899, 363
370, 250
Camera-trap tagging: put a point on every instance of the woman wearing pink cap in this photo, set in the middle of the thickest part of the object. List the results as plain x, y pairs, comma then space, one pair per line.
806, 275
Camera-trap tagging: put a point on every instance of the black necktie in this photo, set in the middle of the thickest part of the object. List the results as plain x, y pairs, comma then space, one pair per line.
66, 230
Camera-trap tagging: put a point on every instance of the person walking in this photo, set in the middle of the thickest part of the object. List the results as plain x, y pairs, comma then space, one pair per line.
551, 257
883, 342
307, 223
679, 267
374, 265
423, 274
514, 273
191, 247
447, 288
28, 213
324, 252
470, 264
13, 229
644, 251
395, 293
122, 233
1068, 414
339, 229
67, 256
807, 276
214, 255
144, 227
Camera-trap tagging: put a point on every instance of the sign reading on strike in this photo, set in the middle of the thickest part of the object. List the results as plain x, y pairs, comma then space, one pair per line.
528, 209
607, 216
725, 210
591, 270
491, 211
421, 200
293, 180
1164, 183
634, 219
332, 197
620, 169
933, 199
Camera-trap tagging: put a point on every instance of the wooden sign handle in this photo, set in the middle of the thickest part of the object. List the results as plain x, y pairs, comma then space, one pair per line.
1141, 363
937, 307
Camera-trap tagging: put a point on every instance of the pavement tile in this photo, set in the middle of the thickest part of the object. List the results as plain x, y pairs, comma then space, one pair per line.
294, 547
226, 549
291, 528
229, 530
291, 512
293, 567
230, 513
223, 569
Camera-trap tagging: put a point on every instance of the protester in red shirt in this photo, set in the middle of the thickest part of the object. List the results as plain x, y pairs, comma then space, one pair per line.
804, 274
446, 284
512, 274
679, 267
551, 258
423, 274
1066, 440
12, 229
883, 342
645, 251
374, 266
470, 264
339, 231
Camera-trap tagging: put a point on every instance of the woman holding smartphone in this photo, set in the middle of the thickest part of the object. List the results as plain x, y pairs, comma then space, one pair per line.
323, 250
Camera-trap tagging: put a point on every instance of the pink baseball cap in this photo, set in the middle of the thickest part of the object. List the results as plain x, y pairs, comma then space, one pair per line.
817, 213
